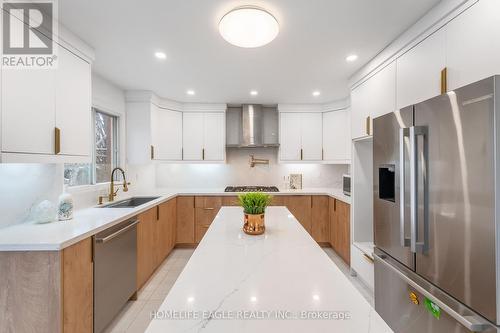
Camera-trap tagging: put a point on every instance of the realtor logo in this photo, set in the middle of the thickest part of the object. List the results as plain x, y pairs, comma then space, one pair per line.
28, 34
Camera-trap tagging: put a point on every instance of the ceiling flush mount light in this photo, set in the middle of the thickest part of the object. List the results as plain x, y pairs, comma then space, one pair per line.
351, 58
316, 93
160, 55
248, 27
190, 92
254, 92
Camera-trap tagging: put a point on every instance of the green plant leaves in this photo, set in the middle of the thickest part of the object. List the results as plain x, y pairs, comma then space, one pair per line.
254, 203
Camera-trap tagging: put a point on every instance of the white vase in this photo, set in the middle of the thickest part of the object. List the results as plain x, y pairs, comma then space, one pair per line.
45, 212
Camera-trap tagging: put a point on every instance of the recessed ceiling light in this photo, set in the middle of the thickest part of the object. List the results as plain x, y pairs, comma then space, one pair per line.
190, 92
351, 58
316, 93
160, 55
254, 92
248, 27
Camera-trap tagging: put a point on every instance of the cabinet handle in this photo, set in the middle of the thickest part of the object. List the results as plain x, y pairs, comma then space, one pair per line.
444, 80
208, 208
367, 125
334, 205
157, 213
152, 152
182, 153
368, 258
57, 140
322, 154
203, 154
301, 154
206, 225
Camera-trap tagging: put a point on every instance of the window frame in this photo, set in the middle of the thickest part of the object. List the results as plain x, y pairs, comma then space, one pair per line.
116, 155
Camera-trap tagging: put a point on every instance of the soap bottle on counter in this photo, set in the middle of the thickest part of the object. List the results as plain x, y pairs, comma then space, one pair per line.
65, 206
286, 182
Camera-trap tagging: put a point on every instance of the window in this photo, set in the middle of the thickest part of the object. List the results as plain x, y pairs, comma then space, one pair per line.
105, 153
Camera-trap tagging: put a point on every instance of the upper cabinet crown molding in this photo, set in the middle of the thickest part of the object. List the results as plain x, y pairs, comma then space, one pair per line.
435, 19
147, 96
331, 106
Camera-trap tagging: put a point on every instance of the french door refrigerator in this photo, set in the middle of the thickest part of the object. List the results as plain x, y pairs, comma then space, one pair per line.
436, 212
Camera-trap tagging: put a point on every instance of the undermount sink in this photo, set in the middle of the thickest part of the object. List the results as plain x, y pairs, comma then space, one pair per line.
130, 203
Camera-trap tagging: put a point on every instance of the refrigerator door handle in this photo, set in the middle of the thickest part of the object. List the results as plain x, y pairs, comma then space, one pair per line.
474, 323
415, 245
403, 132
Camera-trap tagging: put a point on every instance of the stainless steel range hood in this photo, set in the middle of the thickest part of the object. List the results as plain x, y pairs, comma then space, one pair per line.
252, 126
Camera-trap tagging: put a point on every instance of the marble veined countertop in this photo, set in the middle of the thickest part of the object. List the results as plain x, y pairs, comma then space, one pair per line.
88, 222
281, 281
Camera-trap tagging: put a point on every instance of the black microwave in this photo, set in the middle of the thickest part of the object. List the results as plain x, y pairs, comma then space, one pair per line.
346, 184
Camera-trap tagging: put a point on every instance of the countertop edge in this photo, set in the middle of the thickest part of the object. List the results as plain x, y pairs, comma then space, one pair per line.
136, 211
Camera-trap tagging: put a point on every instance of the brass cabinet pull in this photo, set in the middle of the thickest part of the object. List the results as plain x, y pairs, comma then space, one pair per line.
57, 140
301, 154
322, 154
206, 225
208, 208
367, 125
444, 81
152, 152
368, 258
157, 213
203, 154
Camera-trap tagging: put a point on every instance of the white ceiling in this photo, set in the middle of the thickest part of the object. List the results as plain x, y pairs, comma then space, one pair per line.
308, 54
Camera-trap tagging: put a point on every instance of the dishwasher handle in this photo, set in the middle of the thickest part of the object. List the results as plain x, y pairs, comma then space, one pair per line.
116, 233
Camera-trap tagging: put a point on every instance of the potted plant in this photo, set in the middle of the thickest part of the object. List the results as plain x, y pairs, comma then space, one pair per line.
254, 205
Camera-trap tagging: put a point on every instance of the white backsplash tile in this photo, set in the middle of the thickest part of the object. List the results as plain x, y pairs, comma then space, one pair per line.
237, 171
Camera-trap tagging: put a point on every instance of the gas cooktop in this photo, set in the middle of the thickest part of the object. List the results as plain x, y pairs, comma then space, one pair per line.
251, 189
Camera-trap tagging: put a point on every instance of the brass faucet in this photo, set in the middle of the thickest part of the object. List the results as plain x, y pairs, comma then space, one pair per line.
112, 192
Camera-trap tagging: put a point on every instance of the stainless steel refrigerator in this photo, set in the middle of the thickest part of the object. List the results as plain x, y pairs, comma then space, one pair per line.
437, 212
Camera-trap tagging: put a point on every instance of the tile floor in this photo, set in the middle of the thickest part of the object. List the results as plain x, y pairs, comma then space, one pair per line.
135, 316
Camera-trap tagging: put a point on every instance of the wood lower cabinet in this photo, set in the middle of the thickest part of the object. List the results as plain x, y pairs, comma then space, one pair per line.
166, 225
205, 210
146, 251
300, 207
278, 200
78, 287
320, 220
230, 201
185, 220
340, 228
47, 291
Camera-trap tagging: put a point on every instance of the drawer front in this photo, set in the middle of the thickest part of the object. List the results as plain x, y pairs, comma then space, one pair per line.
362, 265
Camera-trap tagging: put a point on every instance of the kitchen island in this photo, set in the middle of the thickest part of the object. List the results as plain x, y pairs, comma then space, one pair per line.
281, 281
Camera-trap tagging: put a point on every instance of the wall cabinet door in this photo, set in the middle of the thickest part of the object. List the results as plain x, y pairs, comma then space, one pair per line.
373, 98
300, 207
73, 104
419, 71
290, 136
312, 136
337, 136
473, 44
166, 134
28, 110
320, 220
214, 137
185, 220
192, 136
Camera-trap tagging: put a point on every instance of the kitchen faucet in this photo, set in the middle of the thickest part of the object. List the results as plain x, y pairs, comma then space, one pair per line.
112, 192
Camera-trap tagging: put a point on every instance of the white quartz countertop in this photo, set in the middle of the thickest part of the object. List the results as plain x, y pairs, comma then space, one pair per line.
88, 222
281, 281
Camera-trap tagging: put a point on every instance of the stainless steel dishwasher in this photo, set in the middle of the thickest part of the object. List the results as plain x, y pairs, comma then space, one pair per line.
115, 262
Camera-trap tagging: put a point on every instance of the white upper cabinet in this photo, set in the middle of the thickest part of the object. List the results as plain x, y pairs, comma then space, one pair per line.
473, 44
73, 104
37, 101
192, 136
373, 98
301, 136
203, 136
214, 137
312, 138
166, 134
419, 71
337, 136
28, 111
290, 136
